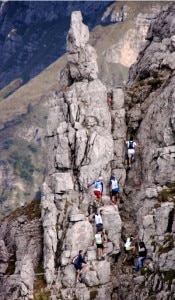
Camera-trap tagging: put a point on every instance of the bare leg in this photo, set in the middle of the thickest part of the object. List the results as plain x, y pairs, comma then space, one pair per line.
129, 161
78, 275
126, 257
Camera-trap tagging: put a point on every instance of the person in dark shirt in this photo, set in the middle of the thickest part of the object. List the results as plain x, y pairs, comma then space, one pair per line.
142, 255
79, 265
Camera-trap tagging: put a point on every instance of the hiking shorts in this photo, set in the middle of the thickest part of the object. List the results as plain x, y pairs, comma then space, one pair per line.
78, 267
115, 191
97, 194
131, 152
100, 246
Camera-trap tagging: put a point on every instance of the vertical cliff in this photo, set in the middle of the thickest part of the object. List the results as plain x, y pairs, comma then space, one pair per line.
80, 134
85, 136
150, 106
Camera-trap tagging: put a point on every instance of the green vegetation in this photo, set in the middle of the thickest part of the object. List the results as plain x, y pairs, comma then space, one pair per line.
168, 245
8, 143
157, 205
167, 194
169, 276
33, 148
22, 165
93, 294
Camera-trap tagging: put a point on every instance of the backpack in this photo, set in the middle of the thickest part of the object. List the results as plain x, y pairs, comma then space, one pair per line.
130, 145
74, 260
99, 227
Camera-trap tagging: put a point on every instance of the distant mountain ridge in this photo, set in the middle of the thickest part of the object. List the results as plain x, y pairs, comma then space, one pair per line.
33, 34
23, 114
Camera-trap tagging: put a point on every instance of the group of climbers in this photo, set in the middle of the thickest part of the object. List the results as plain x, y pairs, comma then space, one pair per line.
131, 246
98, 187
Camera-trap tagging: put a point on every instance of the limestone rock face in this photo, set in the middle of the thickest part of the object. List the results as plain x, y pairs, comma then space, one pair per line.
20, 254
150, 117
4, 257
80, 149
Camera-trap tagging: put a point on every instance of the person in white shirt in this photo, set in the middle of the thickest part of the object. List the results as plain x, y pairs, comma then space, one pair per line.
131, 146
114, 189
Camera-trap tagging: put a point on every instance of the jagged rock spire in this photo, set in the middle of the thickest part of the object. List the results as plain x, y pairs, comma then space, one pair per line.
81, 57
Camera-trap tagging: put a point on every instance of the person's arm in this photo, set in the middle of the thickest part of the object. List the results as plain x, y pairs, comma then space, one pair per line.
138, 145
91, 184
83, 261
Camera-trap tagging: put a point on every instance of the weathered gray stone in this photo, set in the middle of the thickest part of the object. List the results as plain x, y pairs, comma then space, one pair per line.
81, 56
118, 99
77, 217
91, 255
62, 182
69, 276
79, 237
97, 275
112, 223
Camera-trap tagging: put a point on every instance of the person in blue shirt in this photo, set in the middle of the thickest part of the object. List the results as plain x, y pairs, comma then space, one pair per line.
98, 189
114, 188
79, 265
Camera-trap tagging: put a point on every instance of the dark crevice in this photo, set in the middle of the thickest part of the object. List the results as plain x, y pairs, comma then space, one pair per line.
170, 220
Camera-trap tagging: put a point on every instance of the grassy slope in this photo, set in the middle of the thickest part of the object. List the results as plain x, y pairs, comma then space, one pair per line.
16, 104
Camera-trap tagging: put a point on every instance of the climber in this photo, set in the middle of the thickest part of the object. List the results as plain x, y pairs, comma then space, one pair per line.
114, 189
79, 265
98, 189
99, 239
98, 221
129, 247
109, 98
142, 255
131, 145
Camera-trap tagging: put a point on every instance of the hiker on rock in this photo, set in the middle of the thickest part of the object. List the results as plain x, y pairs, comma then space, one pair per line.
114, 188
129, 247
99, 240
142, 255
98, 221
98, 189
79, 264
131, 146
